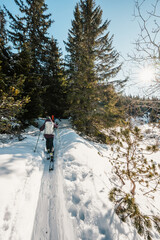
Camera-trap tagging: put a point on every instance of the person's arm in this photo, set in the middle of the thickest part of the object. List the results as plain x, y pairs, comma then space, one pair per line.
42, 127
55, 125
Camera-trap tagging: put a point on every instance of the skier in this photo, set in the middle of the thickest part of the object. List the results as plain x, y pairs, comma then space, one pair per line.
48, 128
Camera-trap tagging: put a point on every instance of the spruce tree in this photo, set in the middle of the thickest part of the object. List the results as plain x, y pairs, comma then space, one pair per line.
11, 84
29, 35
23, 65
5, 53
11, 101
37, 57
54, 97
38, 23
32, 85
32, 27
91, 61
110, 110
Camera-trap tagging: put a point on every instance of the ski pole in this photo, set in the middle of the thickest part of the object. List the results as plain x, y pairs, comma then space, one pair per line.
58, 135
37, 141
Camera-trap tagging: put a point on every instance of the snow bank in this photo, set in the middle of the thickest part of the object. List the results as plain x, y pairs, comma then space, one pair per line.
20, 173
88, 180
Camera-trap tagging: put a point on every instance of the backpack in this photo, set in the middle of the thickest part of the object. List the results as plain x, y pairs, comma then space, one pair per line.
49, 128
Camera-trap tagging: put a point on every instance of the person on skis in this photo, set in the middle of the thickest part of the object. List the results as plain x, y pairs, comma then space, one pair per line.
48, 128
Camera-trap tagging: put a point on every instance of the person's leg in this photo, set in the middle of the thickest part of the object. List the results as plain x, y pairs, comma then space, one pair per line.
47, 145
51, 147
50, 144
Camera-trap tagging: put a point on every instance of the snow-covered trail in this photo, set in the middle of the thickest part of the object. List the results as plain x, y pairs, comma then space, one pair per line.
32, 199
68, 203
52, 221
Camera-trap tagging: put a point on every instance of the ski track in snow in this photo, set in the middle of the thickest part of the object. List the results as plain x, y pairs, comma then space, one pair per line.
52, 221
34, 205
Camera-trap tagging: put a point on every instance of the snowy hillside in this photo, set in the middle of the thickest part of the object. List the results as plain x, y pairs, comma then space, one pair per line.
69, 203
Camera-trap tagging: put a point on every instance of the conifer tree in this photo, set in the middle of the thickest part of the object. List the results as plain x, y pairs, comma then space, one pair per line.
11, 101
32, 84
37, 57
38, 23
29, 35
130, 164
32, 27
5, 53
91, 60
111, 107
11, 84
54, 97
23, 65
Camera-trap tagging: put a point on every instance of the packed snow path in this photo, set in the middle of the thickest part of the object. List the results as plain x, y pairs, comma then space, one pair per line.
52, 221
32, 204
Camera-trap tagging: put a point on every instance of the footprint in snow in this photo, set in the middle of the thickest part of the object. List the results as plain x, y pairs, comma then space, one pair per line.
75, 199
84, 175
7, 215
71, 177
82, 214
87, 203
73, 211
74, 176
6, 218
5, 227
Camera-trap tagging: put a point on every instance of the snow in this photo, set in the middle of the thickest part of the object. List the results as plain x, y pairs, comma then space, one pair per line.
69, 203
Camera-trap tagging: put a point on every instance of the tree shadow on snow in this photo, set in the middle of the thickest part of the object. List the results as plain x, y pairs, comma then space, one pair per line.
112, 228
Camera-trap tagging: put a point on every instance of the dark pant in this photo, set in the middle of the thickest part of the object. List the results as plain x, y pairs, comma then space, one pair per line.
49, 144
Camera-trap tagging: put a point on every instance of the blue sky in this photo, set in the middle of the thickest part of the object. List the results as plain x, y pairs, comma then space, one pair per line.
120, 12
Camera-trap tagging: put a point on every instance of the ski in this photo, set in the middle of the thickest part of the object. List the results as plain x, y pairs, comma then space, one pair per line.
51, 165
48, 156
